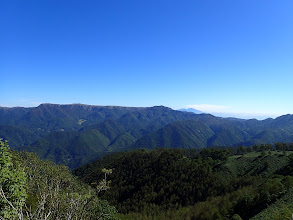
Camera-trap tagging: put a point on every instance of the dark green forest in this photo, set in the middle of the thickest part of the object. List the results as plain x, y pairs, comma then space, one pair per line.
109, 162
190, 184
78, 134
252, 182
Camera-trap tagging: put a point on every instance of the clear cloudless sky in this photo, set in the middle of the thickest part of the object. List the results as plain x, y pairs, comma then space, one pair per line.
216, 55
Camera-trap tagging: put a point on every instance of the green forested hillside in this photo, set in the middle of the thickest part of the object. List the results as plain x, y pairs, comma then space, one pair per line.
9, 116
17, 136
211, 183
77, 134
193, 134
77, 148
187, 184
54, 117
181, 134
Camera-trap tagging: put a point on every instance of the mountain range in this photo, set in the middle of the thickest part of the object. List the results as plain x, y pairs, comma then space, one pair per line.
76, 134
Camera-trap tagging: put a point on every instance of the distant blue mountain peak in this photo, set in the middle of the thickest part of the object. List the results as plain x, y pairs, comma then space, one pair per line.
190, 110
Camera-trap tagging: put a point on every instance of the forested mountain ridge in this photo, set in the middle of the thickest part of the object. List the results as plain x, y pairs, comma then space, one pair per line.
76, 134
76, 148
192, 134
55, 117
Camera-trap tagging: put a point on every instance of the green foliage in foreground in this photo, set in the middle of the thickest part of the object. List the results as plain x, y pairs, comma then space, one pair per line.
13, 184
44, 190
186, 184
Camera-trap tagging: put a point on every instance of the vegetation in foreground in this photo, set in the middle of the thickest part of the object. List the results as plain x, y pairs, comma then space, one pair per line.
241, 183
34, 189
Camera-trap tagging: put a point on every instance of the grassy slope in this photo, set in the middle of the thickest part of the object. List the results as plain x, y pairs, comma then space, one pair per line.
254, 163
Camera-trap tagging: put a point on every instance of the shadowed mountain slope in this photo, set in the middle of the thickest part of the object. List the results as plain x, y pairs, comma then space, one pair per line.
76, 134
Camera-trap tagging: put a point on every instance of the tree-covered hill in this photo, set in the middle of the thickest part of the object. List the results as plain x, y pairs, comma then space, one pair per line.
190, 184
77, 134
54, 117
180, 134
76, 148
18, 136
192, 134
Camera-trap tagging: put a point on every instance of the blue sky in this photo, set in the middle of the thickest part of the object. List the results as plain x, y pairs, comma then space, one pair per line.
216, 56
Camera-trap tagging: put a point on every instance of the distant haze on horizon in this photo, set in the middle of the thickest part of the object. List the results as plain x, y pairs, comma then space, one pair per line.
239, 115
229, 58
